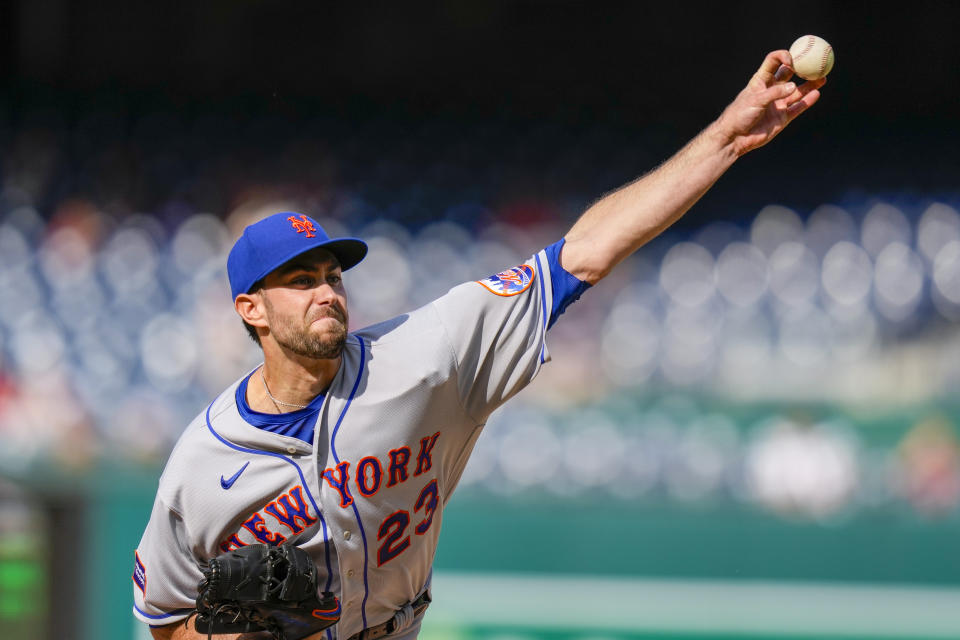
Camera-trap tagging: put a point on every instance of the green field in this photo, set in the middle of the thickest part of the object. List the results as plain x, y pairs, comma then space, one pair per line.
563, 607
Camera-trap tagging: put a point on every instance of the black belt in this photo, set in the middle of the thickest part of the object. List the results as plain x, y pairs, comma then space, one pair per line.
372, 633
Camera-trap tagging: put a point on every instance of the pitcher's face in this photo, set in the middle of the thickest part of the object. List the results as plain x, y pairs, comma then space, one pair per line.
306, 305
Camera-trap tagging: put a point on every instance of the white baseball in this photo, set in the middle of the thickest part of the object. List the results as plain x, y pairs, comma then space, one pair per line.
812, 57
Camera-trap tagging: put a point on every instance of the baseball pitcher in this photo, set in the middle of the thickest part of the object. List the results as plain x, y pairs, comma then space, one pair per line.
307, 499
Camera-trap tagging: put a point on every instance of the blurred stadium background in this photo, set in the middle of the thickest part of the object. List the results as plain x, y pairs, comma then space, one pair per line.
750, 430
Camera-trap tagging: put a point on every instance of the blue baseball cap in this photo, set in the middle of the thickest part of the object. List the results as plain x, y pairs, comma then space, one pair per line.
269, 243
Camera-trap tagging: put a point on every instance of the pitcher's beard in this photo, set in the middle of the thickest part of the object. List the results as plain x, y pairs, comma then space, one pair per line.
303, 343
321, 347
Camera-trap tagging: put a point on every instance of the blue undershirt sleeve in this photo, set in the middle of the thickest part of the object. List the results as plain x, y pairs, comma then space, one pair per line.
566, 288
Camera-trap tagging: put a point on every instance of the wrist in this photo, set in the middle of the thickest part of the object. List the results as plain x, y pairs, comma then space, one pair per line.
722, 142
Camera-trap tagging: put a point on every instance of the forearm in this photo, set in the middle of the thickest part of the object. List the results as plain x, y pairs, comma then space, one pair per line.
175, 631
181, 631
621, 222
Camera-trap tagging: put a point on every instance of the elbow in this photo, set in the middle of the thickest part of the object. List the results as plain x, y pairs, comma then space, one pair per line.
591, 271
584, 261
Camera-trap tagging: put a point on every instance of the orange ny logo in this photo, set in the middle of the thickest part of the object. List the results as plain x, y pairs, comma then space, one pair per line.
511, 276
303, 224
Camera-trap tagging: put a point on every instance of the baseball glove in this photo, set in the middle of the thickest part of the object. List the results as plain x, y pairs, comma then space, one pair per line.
261, 588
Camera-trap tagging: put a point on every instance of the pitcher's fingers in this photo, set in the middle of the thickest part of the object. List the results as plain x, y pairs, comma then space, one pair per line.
798, 107
804, 89
772, 63
774, 93
783, 74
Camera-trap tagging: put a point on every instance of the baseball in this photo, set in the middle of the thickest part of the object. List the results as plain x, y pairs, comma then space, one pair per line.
812, 57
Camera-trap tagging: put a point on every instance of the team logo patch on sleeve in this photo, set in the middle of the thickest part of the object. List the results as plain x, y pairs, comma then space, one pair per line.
139, 573
510, 282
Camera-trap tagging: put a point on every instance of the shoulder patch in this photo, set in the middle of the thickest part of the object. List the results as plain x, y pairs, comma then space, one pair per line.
510, 282
139, 574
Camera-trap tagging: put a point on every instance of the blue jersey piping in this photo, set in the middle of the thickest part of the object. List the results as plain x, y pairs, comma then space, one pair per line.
323, 522
176, 612
543, 306
336, 458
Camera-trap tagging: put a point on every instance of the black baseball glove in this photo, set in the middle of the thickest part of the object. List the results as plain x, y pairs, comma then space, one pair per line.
261, 588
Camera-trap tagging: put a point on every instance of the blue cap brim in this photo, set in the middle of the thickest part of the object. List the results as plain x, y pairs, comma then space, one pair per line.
348, 252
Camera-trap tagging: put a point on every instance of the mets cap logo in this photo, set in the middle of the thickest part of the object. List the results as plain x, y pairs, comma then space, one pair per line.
303, 224
510, 282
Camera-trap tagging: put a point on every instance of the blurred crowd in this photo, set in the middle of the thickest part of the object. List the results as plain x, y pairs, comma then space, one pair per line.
680, 449
116, 326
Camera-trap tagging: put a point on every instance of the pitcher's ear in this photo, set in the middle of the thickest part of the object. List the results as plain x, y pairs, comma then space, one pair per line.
249, 306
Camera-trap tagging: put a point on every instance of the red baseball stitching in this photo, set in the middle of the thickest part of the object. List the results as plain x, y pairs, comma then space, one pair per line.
809, 45
826, 54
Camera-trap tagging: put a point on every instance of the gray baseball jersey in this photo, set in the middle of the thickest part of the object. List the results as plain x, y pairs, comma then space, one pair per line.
391, 440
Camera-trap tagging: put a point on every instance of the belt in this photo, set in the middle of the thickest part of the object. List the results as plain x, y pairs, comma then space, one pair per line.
372, 633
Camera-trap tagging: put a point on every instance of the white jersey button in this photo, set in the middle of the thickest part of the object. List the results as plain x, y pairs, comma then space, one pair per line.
350, 573
291, 449
346, 535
